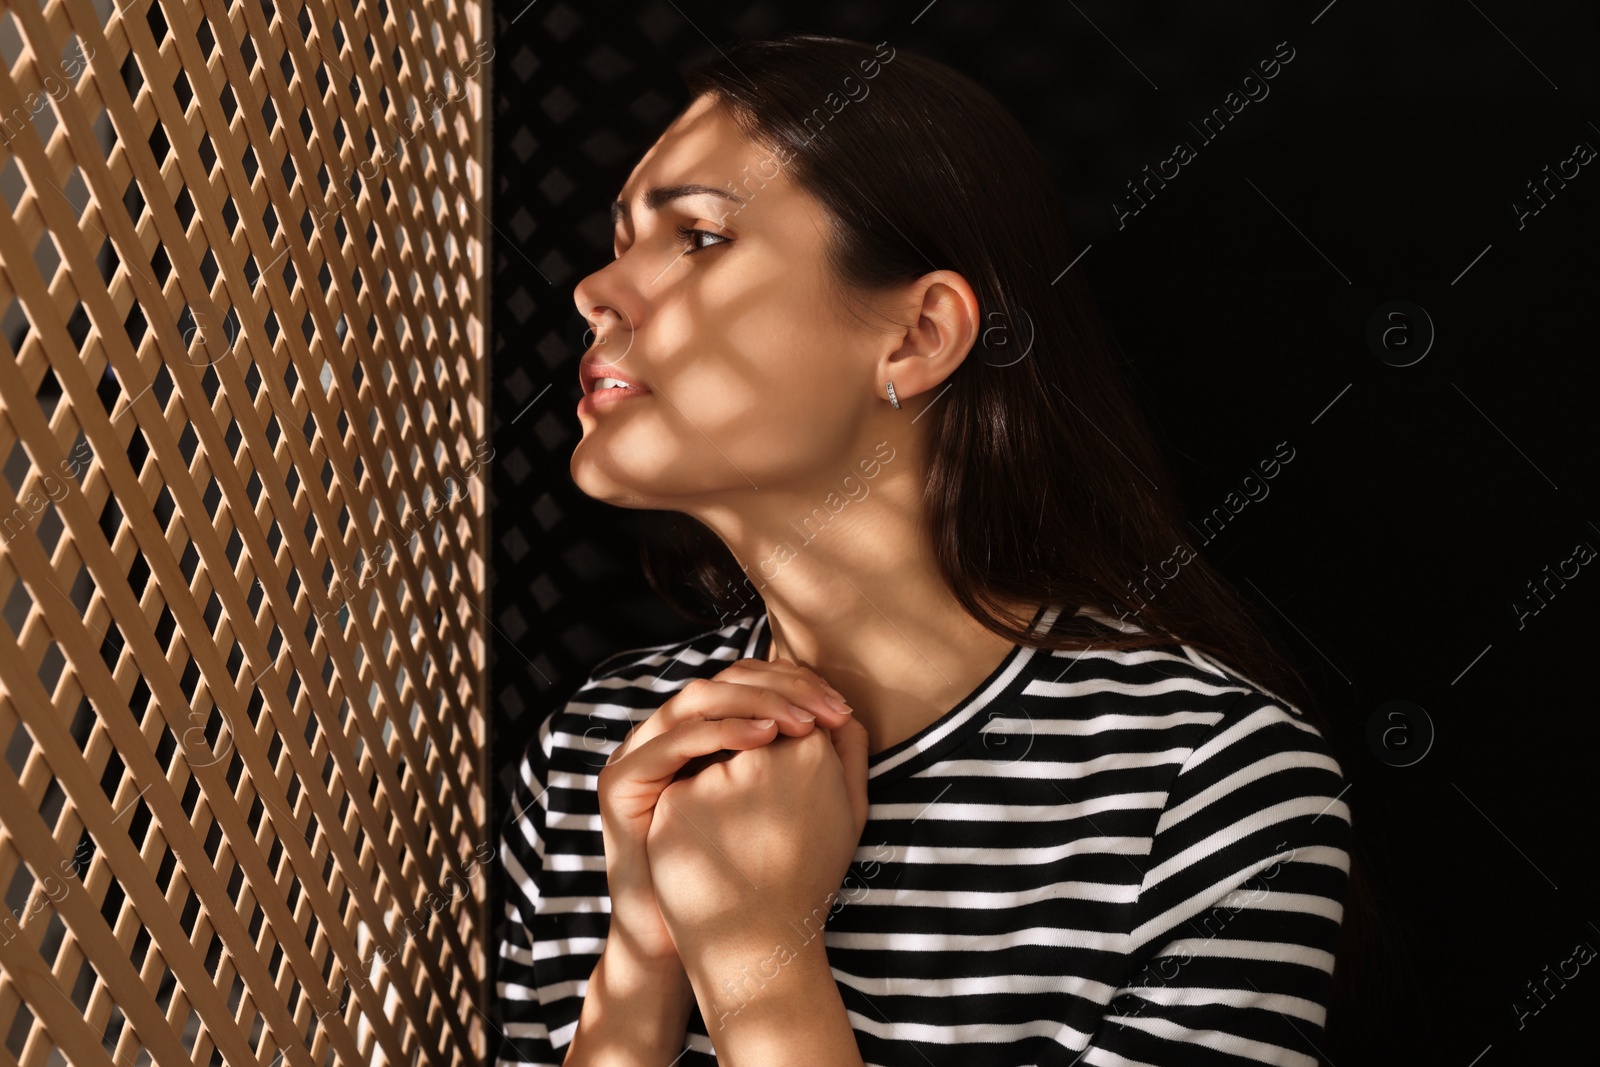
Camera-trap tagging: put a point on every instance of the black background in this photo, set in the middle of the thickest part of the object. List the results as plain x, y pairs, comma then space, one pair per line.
1383, 165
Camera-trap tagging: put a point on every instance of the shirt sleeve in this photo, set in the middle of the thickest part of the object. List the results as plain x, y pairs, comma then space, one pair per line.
1239, 910
519, 1014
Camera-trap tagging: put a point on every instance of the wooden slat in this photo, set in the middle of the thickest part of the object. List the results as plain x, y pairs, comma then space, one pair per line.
196, 894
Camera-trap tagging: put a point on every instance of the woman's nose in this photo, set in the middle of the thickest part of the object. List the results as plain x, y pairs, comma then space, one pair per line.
601, 329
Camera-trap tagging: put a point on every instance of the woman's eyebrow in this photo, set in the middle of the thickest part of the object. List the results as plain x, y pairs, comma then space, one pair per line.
662, 195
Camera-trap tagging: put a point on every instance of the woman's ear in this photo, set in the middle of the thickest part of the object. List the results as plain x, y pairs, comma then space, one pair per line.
945, 327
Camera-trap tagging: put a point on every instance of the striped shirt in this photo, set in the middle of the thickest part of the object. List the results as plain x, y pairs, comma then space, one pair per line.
1110, 857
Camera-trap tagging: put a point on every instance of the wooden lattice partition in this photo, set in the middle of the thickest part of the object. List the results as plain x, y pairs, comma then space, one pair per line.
242, 563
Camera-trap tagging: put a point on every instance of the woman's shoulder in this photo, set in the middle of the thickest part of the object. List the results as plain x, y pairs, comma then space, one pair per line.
1220, 745
1196, 700
1165, 663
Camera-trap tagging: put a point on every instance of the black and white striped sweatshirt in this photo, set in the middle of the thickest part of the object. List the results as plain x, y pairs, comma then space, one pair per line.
1109, 858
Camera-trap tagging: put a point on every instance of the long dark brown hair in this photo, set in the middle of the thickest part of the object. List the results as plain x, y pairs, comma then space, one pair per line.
1043, 475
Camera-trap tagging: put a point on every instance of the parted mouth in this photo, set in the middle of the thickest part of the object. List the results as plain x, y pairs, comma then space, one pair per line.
597, 377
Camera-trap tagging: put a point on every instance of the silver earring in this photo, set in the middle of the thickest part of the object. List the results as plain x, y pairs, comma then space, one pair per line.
890, 386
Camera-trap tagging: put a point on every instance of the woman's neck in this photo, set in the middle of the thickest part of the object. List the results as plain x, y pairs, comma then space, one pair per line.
907, 678
853, 592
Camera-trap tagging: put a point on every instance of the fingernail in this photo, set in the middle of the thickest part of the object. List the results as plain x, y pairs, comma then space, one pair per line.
802, 714
836, 702
762, 724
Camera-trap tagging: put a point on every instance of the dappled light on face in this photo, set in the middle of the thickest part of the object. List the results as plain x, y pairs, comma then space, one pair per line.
747, 363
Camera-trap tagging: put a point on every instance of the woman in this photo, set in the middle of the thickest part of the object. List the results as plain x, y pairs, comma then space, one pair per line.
976, 766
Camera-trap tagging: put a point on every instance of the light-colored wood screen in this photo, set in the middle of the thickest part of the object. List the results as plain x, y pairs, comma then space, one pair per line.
242, 562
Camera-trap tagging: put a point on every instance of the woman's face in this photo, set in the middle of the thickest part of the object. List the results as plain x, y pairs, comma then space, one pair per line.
754, 376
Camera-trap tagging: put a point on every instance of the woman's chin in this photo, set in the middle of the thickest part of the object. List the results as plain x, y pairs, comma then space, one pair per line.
595, 480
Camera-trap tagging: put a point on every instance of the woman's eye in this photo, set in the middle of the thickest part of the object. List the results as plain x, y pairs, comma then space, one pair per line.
690, 236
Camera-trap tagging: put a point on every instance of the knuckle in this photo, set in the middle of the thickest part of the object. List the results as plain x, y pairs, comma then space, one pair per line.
687, 703
660, 719
808, 681
739, 668
817, 680
792, 685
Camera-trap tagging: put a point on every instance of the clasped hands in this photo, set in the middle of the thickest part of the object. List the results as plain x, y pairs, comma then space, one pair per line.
713, 869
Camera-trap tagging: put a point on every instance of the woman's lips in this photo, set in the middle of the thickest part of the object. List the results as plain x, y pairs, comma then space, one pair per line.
600, 399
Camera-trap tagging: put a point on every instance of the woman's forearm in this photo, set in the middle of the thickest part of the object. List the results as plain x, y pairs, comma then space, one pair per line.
634, 1014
